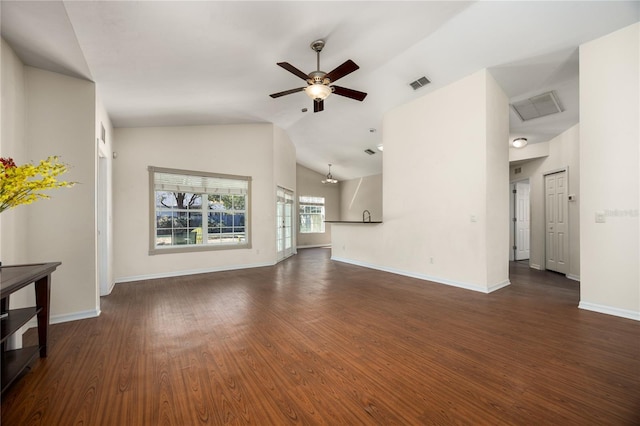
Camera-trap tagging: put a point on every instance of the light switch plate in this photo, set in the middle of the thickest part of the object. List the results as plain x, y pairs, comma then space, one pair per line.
600, 217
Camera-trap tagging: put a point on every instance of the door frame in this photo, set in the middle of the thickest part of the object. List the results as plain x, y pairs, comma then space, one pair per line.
512, 215
543, 265
293, 225
102, 220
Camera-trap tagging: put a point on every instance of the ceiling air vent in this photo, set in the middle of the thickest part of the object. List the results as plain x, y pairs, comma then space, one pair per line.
422, 81
537, 106
369, 151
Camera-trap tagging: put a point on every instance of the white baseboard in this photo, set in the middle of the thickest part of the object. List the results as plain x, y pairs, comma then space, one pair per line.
535, 266
60, 318
188, 272
424, 277
573, 277
316, 246
498, 286
609, 310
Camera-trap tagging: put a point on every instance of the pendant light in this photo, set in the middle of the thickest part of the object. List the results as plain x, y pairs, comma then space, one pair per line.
329, 178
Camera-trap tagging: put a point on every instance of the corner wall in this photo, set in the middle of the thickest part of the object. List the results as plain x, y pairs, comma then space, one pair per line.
44, 114
13, 247
60, 117
610, 177
445, 189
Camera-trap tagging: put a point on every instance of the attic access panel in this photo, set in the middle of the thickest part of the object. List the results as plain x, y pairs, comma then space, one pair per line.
537, 106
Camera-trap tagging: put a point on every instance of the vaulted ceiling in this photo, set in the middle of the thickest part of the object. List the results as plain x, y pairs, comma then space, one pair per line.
168, 63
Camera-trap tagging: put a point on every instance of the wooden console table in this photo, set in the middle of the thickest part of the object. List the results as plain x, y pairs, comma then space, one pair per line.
12, 279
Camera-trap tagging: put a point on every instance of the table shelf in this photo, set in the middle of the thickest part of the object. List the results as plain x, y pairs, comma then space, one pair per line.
14, 362
16, 319
12, 279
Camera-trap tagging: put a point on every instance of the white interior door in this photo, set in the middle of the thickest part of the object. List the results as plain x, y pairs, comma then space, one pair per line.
556, 217
522, 222
284, 223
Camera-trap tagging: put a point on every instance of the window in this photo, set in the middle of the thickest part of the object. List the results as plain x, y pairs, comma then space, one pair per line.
311, 214
194, 211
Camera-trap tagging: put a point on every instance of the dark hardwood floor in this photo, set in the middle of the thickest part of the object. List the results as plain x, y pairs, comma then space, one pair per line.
312, 341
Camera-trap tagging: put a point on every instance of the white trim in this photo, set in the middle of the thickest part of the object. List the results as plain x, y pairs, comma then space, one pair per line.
465, 286
535, 266
60, 318
15, 340
609, 310
189, 272
573, 277
316, 246
498, 286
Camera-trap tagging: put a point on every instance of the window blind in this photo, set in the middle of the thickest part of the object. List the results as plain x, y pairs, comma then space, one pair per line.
172, 182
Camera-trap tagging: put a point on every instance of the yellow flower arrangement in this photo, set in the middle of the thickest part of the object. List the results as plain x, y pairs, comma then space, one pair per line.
23, 184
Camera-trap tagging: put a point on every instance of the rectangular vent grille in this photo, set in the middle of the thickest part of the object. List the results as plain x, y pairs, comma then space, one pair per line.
537, 106
369, 151
517, 170
421, 82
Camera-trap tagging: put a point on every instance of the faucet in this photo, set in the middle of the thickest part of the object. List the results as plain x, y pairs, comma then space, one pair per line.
366, 214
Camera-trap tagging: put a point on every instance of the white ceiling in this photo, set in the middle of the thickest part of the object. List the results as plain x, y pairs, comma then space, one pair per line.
167, 63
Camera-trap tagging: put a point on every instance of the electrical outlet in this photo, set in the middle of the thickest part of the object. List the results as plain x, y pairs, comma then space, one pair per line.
600, 217
431, 260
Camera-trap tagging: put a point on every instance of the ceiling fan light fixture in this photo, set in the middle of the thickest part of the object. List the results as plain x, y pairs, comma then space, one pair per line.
318, 91
519, 142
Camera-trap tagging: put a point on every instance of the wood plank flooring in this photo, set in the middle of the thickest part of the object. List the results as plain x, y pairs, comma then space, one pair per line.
311, 341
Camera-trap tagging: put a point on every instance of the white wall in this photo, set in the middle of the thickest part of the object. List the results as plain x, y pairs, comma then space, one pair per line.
445, 189
284, 155
610, 178
496, 184
60, 113
43, 114
563, 152
248, 150
310, 183
358, 195
13, 247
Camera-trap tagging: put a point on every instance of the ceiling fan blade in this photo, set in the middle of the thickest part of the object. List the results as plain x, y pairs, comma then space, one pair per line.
318, 106
293, 70
347, 68
287, 92
349, 93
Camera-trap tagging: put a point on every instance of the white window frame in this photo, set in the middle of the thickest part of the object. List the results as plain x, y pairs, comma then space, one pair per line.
311, 202
204, 184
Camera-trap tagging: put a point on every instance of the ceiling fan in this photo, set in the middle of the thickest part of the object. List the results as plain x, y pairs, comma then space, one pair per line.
318, 82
